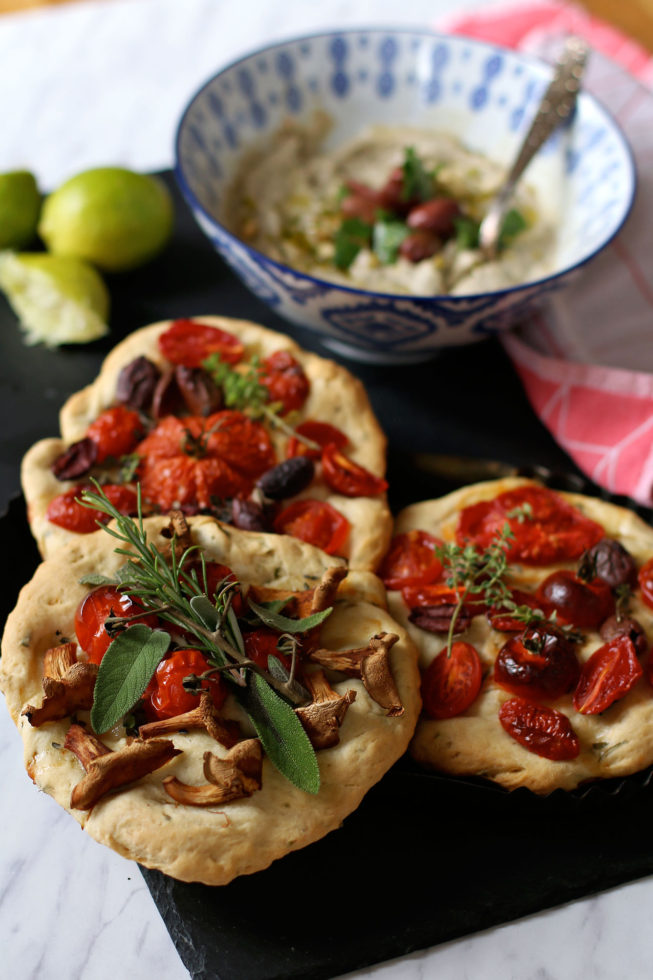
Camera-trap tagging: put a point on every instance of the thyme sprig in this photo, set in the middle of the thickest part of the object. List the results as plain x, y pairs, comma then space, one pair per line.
470, 572
243, 391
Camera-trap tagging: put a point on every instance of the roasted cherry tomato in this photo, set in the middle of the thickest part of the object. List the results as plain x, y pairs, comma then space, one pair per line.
115, 432
501, 620
440, 594
188, 461
262, 643
645, 578
451, 684
316, 522
608, 675
540, 729
583, 604
92, 613
322, 433
166, 697
285, 380
540, 664
189, 343
348, 478
411, 560
66, 512
545, 528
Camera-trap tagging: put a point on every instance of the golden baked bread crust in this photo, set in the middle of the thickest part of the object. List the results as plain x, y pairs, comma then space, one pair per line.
615, 743
141, 822
336, 396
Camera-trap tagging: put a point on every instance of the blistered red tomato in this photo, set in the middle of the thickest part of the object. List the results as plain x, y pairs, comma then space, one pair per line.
189, 343
645, 577
166, 696
439, 594
411, 559
545, 528
261, 644
188, 461
608, 675
316, 522
115, 432
540, 729
94, 610
348, 478
67, 513
579, 603
322, 433
285, 380
539, 664
450, 684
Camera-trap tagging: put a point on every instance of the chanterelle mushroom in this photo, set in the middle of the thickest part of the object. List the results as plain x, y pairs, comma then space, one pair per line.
372, 665
67, 685
235, 776
205, 715
107, 770
323, 717
179, 530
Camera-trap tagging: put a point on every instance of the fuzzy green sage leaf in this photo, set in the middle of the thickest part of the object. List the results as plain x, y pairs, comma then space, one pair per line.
285, 623
284, 740
97, 580
125, 672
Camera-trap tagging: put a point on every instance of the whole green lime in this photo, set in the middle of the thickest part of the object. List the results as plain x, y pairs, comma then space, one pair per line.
111, 217
20, 204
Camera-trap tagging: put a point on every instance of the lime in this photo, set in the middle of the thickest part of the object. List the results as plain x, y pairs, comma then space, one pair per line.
114, 218
58, 299
20, 203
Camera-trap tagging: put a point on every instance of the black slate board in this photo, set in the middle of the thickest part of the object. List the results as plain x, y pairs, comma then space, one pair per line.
424, 859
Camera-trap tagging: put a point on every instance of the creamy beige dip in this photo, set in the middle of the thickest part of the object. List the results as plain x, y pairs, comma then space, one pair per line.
285, 203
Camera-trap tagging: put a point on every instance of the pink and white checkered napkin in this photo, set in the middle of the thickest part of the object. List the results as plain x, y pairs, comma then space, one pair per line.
586, 360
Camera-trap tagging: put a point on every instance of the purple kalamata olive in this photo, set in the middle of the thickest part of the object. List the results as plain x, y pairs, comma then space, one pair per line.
437, 216
609, 561
287, 478
198, 390
625, 626
136, 384
420, 244
75, 461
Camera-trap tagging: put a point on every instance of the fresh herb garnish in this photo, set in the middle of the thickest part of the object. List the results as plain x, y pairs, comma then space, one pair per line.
467, 231
176, 596
417, 181
623, 595
129, 467
523, 512
285, 623
513, 224
387, 236
352, 235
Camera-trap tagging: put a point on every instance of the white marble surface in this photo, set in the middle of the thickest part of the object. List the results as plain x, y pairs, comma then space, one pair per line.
101, 83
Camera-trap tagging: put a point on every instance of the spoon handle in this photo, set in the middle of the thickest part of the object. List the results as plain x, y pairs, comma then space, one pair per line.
556, 106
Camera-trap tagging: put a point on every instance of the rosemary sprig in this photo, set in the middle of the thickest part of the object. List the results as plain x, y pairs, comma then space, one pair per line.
244, 392
470, 572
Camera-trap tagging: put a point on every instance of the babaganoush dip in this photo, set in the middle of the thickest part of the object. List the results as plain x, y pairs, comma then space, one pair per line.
395, 211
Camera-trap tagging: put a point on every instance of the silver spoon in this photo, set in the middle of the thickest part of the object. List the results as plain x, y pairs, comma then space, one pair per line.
556, 106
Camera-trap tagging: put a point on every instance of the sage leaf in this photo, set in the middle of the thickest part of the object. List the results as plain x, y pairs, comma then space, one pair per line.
277, 670
284, 623
284, 740
205, 612
97, 580
125, 672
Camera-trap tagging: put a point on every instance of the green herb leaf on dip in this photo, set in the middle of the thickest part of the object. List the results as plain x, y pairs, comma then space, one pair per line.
352, 235
466, 232
284, 740
386, 239
417, 182
513, 224
125, 672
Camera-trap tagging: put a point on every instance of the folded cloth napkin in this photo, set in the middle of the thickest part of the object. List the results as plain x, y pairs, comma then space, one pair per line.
586, 359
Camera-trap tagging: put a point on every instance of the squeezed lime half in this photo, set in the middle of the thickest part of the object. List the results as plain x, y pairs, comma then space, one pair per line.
20, 204
114, 218
58, 299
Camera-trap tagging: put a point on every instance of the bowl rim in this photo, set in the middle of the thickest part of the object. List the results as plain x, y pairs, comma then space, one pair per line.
260, 258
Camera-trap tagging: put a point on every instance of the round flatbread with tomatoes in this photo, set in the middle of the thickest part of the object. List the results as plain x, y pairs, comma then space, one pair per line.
259, 719
222, 417
533, 614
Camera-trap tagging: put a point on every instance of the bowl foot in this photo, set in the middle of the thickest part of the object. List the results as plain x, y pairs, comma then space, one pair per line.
377, 357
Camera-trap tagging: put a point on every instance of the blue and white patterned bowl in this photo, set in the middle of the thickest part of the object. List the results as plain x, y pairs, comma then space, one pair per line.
482, 94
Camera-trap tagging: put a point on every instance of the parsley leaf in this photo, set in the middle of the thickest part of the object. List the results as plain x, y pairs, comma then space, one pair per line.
352, 235
466, 232
513, 224
386, 239
417, 182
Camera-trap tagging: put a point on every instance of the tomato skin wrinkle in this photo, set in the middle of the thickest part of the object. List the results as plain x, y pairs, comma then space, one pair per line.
609, 674
165, 696
189, 343
411, 559
65, 511
548, 671
645, 579
316, 522
550, 530
322, 433
284, 377
115, 432
450, 684
347, 477
539, 729
578, 603
92, 613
